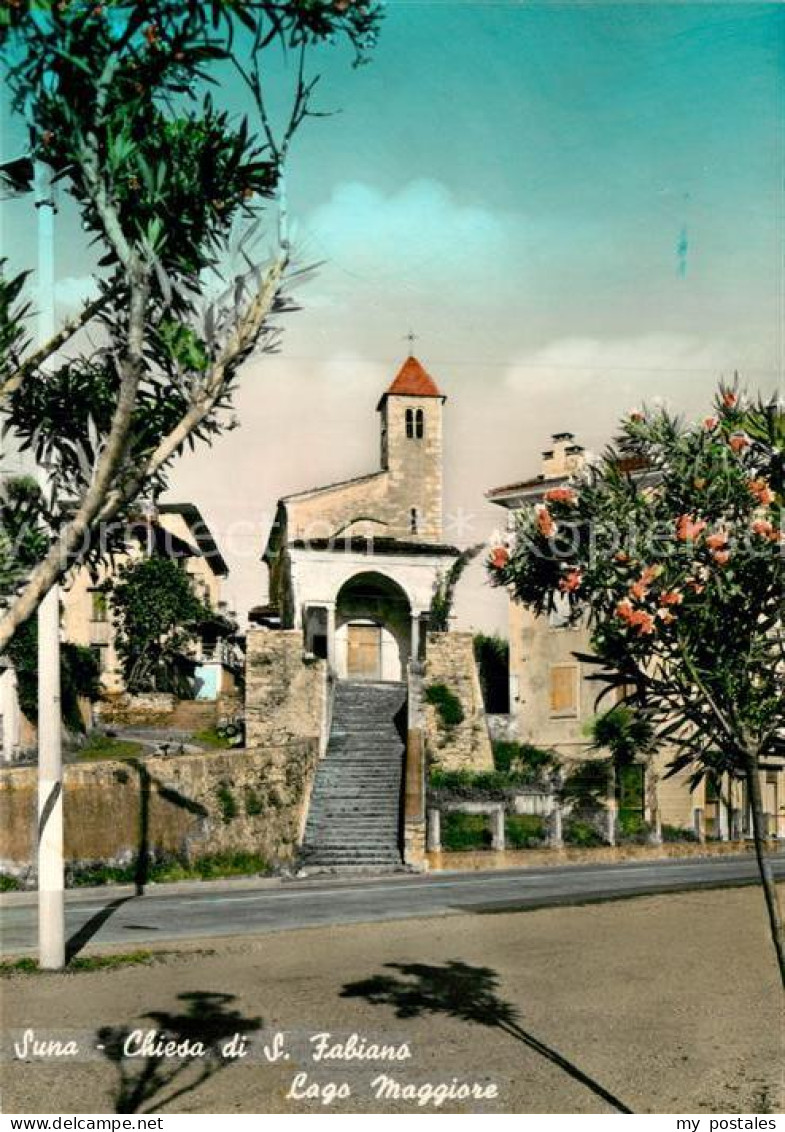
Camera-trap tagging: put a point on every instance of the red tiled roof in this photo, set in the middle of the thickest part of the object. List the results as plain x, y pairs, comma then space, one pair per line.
413, 380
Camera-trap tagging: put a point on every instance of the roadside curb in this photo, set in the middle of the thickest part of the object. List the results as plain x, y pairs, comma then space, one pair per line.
318, 880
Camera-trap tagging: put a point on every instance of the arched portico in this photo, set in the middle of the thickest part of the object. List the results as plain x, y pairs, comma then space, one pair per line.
373, 628
369, 631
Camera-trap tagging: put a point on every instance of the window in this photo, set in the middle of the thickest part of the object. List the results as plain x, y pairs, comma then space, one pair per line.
415, 424
414, 520
99, 655
100, 608
564, 691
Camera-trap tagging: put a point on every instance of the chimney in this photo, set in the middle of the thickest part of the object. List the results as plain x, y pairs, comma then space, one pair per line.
563, 458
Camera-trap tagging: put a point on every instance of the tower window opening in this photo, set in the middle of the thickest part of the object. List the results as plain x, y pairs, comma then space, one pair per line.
419, 424
414, 521
409, 423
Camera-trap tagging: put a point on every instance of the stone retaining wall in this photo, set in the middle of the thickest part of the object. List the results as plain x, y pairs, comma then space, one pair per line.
467, 745
190, 805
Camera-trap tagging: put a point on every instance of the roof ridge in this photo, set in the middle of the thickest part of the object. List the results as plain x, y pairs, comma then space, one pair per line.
329, 486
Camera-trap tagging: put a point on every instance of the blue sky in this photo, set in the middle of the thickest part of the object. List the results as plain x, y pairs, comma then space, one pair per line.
577, 207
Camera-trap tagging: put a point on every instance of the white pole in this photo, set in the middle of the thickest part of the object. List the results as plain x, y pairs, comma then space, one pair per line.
51, 872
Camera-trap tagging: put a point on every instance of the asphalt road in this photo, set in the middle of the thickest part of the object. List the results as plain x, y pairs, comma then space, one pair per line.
171, 913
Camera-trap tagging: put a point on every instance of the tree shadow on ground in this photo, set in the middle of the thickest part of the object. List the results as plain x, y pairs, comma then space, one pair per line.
144, 854
83, 935
469, 993
146, 1084
147, 782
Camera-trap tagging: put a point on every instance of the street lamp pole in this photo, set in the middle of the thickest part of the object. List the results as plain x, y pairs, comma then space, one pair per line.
51, 869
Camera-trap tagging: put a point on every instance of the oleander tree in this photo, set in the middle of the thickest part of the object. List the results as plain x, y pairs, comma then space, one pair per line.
184, 205
670, 545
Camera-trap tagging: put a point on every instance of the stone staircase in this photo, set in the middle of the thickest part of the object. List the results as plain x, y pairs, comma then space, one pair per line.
355, 812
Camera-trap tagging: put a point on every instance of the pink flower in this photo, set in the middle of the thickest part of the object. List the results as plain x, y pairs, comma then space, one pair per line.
710, 423
717, 541
624, 610
639, 590
671, 597
666, 616
636, 415
739, 441
721, 557
560, 495
500, 556
545, 523
762, 492
730, 399
570, 582
688, 529
764, 529
643, 622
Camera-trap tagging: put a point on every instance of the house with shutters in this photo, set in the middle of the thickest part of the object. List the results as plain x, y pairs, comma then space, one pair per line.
553, 697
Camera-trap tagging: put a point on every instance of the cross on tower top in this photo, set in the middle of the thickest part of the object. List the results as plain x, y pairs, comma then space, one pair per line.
411, 338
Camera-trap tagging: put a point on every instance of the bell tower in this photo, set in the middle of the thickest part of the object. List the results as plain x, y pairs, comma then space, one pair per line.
411, 451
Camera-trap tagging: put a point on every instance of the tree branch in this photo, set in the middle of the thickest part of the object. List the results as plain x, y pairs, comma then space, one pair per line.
31, 364
240, 341
69, 540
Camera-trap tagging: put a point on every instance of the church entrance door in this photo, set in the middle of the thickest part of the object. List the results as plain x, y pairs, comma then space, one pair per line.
364, 658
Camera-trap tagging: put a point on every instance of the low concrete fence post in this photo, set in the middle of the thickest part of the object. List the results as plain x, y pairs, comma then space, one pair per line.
723, 821
611, 833
698, 824
555, 828
656, 830
497, 828
735, 825
434, 831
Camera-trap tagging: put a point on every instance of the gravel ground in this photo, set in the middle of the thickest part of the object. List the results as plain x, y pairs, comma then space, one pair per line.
666, 1004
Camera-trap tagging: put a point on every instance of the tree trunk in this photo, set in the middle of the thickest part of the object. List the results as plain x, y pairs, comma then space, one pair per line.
764, 864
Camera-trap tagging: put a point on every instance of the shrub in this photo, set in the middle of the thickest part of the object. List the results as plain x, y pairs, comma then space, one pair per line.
253, 803
530, 763
171, 867
461, 832
446, 703
8, 883
490, 785
587, 785
525, 831
226, 802
677, 833
581, 833
632, 827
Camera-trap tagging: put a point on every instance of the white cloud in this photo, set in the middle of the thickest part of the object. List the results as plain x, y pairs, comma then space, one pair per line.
415, 238
74, 290
587, 377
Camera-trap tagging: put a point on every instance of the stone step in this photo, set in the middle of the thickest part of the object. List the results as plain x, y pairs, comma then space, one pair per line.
329, 858
354, 817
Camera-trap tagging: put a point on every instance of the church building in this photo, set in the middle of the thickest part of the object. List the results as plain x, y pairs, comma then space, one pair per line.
354, 564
